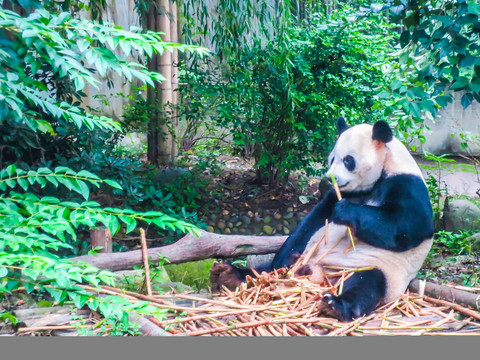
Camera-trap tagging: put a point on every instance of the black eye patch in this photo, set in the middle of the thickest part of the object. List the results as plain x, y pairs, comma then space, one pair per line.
349, 162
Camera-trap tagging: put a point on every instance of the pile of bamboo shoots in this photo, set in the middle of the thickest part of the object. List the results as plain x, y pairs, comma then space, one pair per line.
278, 304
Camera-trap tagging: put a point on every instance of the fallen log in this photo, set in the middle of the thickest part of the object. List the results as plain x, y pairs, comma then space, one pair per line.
147, 327
447, 293
189, 248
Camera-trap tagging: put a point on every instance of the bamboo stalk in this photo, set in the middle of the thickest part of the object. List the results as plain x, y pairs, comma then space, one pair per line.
51, 327
326, 252
312, 250
457, 307
339, 196
143, 240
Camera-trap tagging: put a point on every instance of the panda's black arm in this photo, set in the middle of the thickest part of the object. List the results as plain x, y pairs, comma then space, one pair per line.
295, 244
402, 220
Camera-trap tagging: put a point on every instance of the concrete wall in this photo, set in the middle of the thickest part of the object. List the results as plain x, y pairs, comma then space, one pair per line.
122, 13
451, 121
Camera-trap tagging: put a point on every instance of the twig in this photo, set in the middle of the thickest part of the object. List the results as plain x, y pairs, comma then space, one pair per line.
339, 196
52, 327
143, 240
457, 307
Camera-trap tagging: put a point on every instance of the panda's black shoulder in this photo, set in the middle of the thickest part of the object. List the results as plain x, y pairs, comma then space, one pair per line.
402, 188
406, 198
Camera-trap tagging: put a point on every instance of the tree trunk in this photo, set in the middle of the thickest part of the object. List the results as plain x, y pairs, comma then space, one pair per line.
162, 146
190, 248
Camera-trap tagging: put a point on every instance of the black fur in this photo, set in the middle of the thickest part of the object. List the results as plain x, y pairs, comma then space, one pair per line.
341, 125
298, 240
360, 296
382, 132
401, 219
349, 162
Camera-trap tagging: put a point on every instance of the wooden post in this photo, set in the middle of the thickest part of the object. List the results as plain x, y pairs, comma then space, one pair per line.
174, 83
101, 237
162, 147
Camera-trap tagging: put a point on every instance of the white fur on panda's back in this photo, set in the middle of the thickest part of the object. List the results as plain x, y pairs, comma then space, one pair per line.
399, 268
398, 160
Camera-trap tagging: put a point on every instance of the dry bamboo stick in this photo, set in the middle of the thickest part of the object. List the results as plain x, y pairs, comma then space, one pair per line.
326, 252
143, 240
205, 316
339, 196
457, 307
313, 249
52, 327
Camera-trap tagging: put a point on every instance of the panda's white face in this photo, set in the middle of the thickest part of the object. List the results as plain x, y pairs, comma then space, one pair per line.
357, 161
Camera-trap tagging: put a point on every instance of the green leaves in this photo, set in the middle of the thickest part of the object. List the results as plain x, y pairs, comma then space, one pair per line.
35, 228
44, 45
439, 53
11, 177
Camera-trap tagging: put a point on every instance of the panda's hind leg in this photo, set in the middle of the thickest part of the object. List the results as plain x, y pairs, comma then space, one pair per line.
361, 294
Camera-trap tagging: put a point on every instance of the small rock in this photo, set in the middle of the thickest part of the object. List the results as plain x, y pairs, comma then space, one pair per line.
286, 223
268, 229
257, 219
267, 219
221, 225
211, 229
289, 210
288, 216
250, 214
234, 219
235, 230
239, 223
246, 220
214, 217
228, 231
461, 215
279, 227
277, 216
242, 230
286, 231
230, 225
225, 212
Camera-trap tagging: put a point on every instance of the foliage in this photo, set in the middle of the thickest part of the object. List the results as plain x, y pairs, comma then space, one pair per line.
435, 185
195, 274
453, 243
279, 96
437, 56
40, 55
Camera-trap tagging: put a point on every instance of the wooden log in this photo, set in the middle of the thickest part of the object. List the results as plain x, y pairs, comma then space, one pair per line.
147, 328
447, 293
101, 237
189, 248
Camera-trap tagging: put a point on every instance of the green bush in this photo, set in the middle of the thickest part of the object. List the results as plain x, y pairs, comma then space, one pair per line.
279, 98
39, 54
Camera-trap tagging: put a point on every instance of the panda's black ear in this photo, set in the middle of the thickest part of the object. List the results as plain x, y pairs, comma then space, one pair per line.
341, 125
382, 132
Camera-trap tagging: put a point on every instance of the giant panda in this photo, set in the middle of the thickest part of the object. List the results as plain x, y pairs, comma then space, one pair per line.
387, 207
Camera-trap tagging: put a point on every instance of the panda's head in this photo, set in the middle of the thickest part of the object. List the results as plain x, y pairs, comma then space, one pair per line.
358, 158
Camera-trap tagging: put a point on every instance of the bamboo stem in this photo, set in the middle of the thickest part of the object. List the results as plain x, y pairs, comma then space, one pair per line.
339, 196
143, 240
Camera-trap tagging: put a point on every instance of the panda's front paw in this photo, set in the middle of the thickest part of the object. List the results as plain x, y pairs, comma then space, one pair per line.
343, 213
